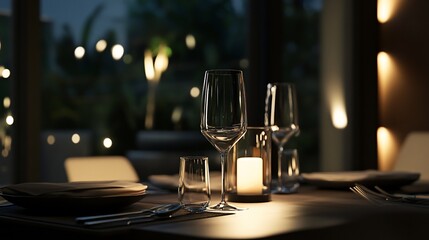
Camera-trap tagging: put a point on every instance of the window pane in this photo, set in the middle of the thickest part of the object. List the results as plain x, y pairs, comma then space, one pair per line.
301, 66
113, 68
6, 119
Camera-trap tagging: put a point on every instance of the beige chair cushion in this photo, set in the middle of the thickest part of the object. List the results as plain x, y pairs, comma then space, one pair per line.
100, 168
414, 154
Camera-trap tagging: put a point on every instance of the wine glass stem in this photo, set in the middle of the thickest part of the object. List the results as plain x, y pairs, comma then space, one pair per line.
223, 156
279, 168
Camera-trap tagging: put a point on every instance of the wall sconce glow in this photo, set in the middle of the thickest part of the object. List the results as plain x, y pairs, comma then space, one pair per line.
383, 59
195, 92
5, 73
6, 102
75, 138
50, 139
190, 41
101, 45
384, 68
117, 51
385, 9
107, 143
386, 148
9, 120
339, 117
79, 52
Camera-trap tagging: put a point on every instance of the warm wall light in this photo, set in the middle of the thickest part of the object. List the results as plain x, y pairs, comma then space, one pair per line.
383, 60
386, 9
337, 105
386, 148
339, 116
387, 73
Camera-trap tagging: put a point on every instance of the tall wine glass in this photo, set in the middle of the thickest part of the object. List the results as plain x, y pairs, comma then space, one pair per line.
223, 117
281, 114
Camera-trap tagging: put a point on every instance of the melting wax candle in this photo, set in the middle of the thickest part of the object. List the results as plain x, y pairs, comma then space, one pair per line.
249, 176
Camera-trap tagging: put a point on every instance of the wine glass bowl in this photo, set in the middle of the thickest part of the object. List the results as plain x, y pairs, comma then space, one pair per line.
281, 115
223, 116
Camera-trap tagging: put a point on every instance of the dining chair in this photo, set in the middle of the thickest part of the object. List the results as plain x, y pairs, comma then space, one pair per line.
100, 168
414, 154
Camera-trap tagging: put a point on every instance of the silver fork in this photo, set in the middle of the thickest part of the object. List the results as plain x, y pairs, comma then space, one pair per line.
371, 197
383, 197
5, 203
122, 214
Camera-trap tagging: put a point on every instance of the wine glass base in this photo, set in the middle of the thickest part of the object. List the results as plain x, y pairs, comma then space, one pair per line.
223, 206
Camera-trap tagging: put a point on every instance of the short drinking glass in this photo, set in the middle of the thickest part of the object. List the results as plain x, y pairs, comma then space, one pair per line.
194, 183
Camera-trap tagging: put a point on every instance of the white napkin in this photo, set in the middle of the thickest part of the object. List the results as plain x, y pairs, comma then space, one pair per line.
76, 189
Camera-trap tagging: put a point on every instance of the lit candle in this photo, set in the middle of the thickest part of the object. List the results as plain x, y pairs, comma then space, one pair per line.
249, 176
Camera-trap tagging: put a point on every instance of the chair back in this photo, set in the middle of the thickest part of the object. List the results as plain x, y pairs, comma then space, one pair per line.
100, 168
414, 154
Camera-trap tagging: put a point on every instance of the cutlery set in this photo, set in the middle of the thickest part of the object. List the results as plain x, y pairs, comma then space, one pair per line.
128, 218
381, 197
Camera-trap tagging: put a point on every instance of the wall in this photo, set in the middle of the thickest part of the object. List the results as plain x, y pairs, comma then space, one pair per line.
404, 86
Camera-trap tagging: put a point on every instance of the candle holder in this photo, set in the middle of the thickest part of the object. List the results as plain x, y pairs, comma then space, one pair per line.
249, 167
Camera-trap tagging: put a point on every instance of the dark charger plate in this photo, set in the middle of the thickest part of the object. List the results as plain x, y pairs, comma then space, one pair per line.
369, 178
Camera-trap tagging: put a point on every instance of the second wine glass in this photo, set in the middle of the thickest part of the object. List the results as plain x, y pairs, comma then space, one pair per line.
281, 115
223, 117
